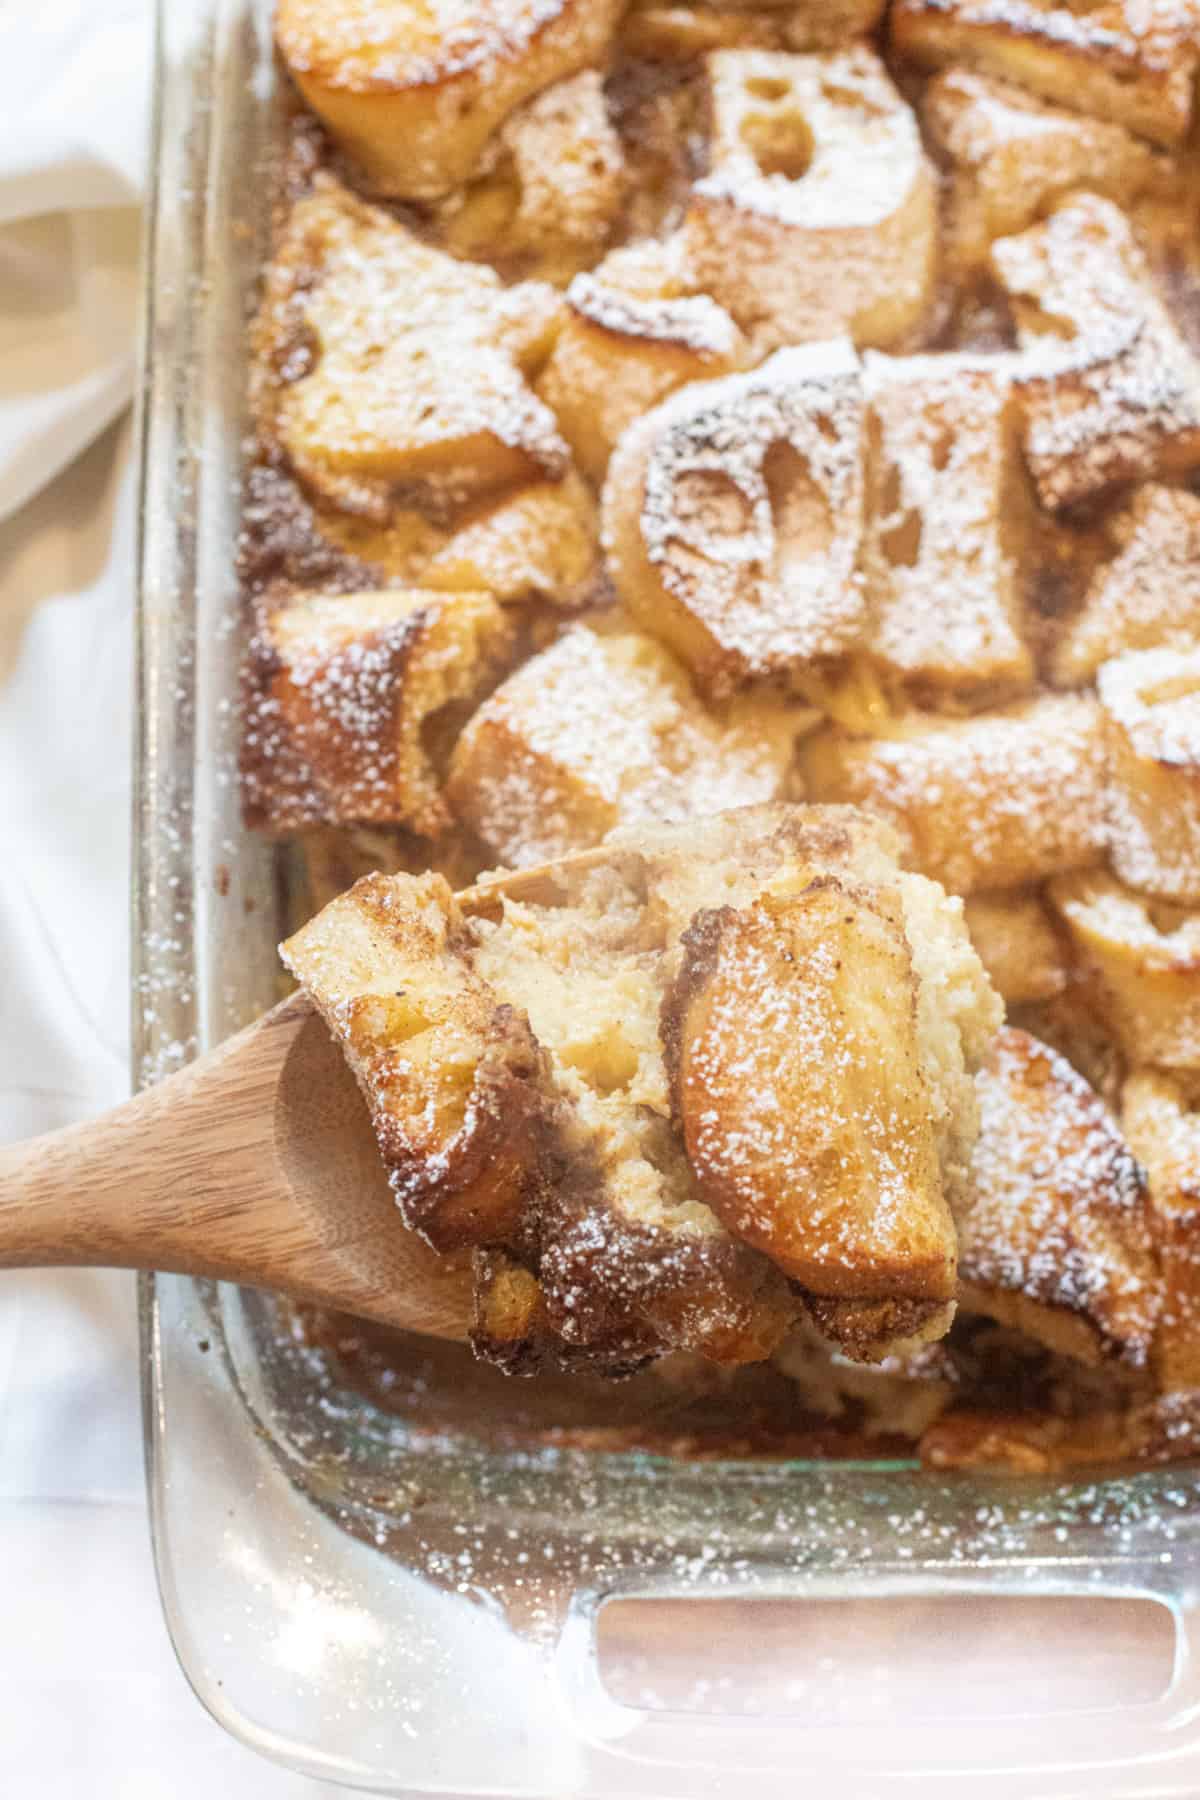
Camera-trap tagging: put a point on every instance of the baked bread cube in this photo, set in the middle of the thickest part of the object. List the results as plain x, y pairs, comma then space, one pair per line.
995, 801
604, 729
749, 1106
552, 190
1056, 1239
570, 169
733, 518
1151, 702
1146, 596
1010, 158
632, 334
1146, 957
1131, 61
1111, 390
414, 93
818, 215
400, 370
949, 527
547, 1059
1018, 944
538, 542
1158, 1112
349, 693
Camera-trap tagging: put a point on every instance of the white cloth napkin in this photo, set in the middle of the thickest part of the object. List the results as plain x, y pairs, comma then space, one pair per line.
91, 1701
73, 90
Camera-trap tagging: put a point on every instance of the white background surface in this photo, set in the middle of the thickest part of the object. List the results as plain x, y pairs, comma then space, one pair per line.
91, 1701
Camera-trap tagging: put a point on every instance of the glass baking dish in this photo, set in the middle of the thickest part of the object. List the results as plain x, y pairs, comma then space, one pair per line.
421, 1613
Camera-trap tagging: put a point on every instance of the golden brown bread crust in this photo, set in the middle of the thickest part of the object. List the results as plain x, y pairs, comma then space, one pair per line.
875, 1331
1111, 390
994, 801
838, 1183
1056, 1241
1151, 703
787, 132
1143, 958
733, 518
609, 1295
664, 32
510, 1046
391, 372
414, 93
345, 696
1010, 157
1158, 1114
539, 770
633, 333
1146, 595
1133, 61
455, 1080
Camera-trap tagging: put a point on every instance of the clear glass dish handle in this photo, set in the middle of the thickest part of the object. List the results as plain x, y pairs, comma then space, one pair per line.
1013, 1669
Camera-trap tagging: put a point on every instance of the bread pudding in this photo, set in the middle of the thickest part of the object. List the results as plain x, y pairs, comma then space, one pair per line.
722, 563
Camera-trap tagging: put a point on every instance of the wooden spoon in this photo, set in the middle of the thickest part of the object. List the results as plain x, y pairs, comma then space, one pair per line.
256, 1164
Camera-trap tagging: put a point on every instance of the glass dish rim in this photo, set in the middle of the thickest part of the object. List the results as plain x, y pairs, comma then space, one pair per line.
165, 748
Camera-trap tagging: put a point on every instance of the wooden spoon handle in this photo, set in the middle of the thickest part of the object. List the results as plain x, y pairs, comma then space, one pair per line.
161, 1182
203, 1174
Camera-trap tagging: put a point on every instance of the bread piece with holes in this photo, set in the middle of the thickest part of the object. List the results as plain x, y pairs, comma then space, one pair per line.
1159, 1116
529, 1103
1131, 61
348, 694
604, 729
1146, 957
1146, 596
1017, 943
995, 801
819, 212
1111, 390
396, 371
1010, 157
632, 334
733, 518
1055, 1241
1151, 702
414, 93
950, 526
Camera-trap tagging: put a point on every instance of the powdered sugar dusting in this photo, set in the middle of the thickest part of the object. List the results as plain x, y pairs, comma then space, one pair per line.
1058, 1210
1111, 390
751, 504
